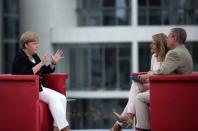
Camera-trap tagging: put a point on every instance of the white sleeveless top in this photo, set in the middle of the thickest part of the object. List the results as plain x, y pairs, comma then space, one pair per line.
155, 65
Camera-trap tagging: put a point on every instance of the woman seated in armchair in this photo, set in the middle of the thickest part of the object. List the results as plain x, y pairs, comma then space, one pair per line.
159, 49
28, 62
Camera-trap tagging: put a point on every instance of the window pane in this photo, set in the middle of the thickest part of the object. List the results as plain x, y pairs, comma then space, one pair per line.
108, 3
154, 16
77, 69
10, 27
110, 67
165, 18
96, 66
82, 18
96, 71
165, 3
109, 17
103, 12
157, 12
85, 4
183, 11
95, 4
193, 47
154, 2
195, 17
124, 67
195, 56
10, 6
124, 77
180, 16
10, 32
94, 18
142, 16
142, 2
144, 56
94, 113
124, 52
122, 16
122, 3
9, 50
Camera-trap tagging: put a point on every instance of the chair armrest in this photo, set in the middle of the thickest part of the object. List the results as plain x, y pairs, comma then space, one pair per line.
173, 78
19, 102
138, 73
57, 82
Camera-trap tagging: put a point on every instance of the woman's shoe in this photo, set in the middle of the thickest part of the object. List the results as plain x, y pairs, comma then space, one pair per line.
128, 118
116, 127
65, 129
55, 129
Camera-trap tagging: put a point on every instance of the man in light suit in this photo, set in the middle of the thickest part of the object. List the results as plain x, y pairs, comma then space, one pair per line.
177, 61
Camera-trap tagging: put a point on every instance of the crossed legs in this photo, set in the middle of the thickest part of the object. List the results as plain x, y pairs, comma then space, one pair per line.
142, 110
129, 110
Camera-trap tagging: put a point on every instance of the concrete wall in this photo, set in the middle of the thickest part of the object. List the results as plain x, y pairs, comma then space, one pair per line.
63, 14
34, 15
43, 16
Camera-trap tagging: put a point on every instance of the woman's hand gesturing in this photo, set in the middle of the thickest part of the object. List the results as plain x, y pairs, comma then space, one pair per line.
57, 56
45, 58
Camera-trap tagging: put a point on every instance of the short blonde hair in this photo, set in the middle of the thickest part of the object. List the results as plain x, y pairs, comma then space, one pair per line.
161, 44
26, 37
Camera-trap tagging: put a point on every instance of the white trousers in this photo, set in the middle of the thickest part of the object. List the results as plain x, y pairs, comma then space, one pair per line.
142, 110
57, 105
136, 88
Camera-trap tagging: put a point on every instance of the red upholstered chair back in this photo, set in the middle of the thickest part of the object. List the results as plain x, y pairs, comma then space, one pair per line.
20, 108
56, 82
174, 105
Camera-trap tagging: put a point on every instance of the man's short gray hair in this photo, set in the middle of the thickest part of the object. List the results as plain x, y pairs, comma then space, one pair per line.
180, 34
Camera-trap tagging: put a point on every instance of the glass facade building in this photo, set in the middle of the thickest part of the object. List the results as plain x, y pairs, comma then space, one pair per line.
98, 66
10, 32
103, 12
168, 12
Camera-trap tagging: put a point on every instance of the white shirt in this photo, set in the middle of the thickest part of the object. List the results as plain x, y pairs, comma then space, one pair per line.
155, 65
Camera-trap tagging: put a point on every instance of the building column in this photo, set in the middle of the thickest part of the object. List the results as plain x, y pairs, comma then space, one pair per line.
134, 15
134, 47
135, 56
34, 15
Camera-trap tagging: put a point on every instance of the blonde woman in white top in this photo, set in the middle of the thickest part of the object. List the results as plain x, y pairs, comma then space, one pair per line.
158, 49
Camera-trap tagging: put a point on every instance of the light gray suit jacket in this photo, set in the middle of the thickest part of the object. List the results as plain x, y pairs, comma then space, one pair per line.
177, 61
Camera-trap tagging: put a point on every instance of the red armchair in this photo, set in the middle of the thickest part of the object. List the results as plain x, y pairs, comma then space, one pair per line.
174, 102
20, 108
